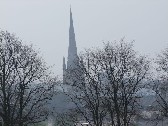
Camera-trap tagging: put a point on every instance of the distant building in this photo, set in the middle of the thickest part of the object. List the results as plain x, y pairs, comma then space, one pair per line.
72, 60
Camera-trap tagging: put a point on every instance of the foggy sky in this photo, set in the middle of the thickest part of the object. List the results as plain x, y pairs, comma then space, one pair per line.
45, 24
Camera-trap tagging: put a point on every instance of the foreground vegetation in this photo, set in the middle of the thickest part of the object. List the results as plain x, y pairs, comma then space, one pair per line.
103, 86
25, 83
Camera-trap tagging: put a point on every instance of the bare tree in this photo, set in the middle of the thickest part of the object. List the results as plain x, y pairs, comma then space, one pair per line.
161, 86
107, 87
125, 72
86, 89
25, 84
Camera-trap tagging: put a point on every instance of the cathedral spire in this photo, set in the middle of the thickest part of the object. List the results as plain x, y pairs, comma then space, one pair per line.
72, 49
72, 65
72, 41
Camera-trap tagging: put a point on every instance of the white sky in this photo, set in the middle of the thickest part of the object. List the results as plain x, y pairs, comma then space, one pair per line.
45, 23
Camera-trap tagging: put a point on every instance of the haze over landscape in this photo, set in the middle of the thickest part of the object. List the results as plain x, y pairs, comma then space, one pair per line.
108, 84
45, 24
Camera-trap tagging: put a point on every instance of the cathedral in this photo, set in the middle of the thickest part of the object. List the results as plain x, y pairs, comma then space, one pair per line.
72, 60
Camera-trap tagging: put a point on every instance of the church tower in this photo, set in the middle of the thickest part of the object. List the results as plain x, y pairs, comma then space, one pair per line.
72, 49
72, 60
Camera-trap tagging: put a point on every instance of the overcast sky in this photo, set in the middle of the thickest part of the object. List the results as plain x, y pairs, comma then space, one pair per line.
45, 24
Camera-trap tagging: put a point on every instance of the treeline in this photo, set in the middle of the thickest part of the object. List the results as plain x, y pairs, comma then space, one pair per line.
108, 90
103, 86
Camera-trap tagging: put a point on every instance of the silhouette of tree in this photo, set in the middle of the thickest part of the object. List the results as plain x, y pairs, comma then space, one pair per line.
25, 84
161, 86
125, 72
107, 87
